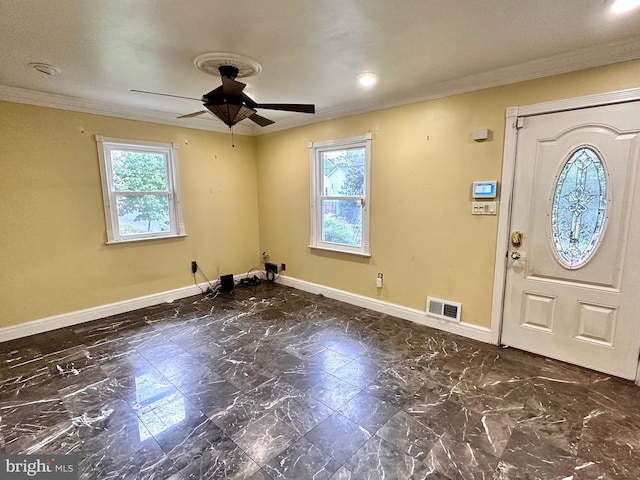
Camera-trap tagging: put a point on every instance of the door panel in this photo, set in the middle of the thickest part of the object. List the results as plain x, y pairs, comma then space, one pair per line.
606, 265
580, 313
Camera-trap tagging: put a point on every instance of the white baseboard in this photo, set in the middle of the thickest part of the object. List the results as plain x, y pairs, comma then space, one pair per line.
80, 316
468, 330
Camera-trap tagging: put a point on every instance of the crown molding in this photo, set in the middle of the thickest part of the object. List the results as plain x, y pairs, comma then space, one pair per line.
595, 56
83, 105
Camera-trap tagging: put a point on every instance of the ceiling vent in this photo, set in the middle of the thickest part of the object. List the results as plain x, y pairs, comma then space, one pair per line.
443, 309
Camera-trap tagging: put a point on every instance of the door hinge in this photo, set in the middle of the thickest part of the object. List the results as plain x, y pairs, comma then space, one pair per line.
519, 123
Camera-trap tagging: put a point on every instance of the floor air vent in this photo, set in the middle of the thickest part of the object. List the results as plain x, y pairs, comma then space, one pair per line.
443, 309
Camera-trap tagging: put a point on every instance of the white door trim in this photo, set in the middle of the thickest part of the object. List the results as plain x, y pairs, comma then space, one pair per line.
506, 187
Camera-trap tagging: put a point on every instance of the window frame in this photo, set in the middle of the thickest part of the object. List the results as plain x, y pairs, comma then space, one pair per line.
109, 195
316, 150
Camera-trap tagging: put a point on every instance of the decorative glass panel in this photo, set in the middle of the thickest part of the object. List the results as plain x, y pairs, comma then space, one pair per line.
579, 207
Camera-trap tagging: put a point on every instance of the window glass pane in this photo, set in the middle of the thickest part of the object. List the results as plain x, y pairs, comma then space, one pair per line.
343, 172
143, 214
138, 171
342, 222
579, 207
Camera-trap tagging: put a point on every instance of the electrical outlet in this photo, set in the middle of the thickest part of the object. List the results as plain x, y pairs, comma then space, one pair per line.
271, 267
194, 267
283, 267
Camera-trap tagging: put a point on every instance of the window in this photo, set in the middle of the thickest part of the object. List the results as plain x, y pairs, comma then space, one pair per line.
140, 189
340, 195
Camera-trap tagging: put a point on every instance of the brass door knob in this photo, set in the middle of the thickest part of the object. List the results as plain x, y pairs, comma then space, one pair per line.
516, 238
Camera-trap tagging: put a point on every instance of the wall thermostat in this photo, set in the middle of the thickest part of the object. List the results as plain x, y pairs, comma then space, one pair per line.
485, 189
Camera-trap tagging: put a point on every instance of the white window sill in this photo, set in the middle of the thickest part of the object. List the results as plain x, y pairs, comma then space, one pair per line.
339, 250
145, 239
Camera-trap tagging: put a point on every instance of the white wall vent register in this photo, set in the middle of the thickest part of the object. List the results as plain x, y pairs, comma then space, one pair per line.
443, 309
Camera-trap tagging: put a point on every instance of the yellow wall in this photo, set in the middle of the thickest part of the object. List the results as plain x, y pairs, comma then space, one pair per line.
423, 236
53, 257
240, 201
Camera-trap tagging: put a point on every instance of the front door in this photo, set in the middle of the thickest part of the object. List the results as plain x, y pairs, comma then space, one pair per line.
573, 275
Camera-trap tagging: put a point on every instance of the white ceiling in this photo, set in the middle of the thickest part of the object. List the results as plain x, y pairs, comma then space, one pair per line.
310, 51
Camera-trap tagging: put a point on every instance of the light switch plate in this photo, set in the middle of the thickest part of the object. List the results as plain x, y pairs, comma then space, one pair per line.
484, 208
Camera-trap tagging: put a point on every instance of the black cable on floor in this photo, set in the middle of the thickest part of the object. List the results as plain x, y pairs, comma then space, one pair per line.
212, 287
196, 283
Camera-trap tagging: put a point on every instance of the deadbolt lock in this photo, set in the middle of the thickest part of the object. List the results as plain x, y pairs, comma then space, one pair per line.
516, 238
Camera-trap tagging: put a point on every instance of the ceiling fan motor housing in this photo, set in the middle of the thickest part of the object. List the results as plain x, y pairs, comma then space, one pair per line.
228, 71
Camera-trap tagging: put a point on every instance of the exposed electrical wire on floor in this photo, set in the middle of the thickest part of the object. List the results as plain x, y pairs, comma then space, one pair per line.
248, 281
211, 294
195, 281
212, 288
272, 276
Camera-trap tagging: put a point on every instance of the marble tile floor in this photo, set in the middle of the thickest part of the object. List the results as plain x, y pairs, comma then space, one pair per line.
274, 383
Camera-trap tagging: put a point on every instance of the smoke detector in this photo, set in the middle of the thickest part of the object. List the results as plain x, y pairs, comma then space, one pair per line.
45, 68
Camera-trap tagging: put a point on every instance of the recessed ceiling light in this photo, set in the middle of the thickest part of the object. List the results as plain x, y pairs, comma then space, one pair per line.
623, 6
367, 79
45, 68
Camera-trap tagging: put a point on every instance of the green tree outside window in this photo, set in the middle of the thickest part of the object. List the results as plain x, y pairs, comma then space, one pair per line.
140, 180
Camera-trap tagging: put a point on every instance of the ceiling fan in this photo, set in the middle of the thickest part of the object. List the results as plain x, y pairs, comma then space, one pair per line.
229, 104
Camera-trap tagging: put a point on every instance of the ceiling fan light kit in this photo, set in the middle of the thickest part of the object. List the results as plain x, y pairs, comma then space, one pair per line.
230, 114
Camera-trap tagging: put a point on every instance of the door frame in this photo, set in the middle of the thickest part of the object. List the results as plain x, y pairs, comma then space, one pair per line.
513, 114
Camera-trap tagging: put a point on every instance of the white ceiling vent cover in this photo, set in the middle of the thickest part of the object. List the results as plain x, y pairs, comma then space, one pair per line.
443, 309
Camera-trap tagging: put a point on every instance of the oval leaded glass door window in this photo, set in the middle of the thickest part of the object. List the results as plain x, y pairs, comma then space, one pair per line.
579, 206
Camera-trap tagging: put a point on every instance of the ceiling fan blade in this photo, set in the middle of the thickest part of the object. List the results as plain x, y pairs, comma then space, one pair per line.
263, 122
194, 114
232, 87
166, 95
288, 107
